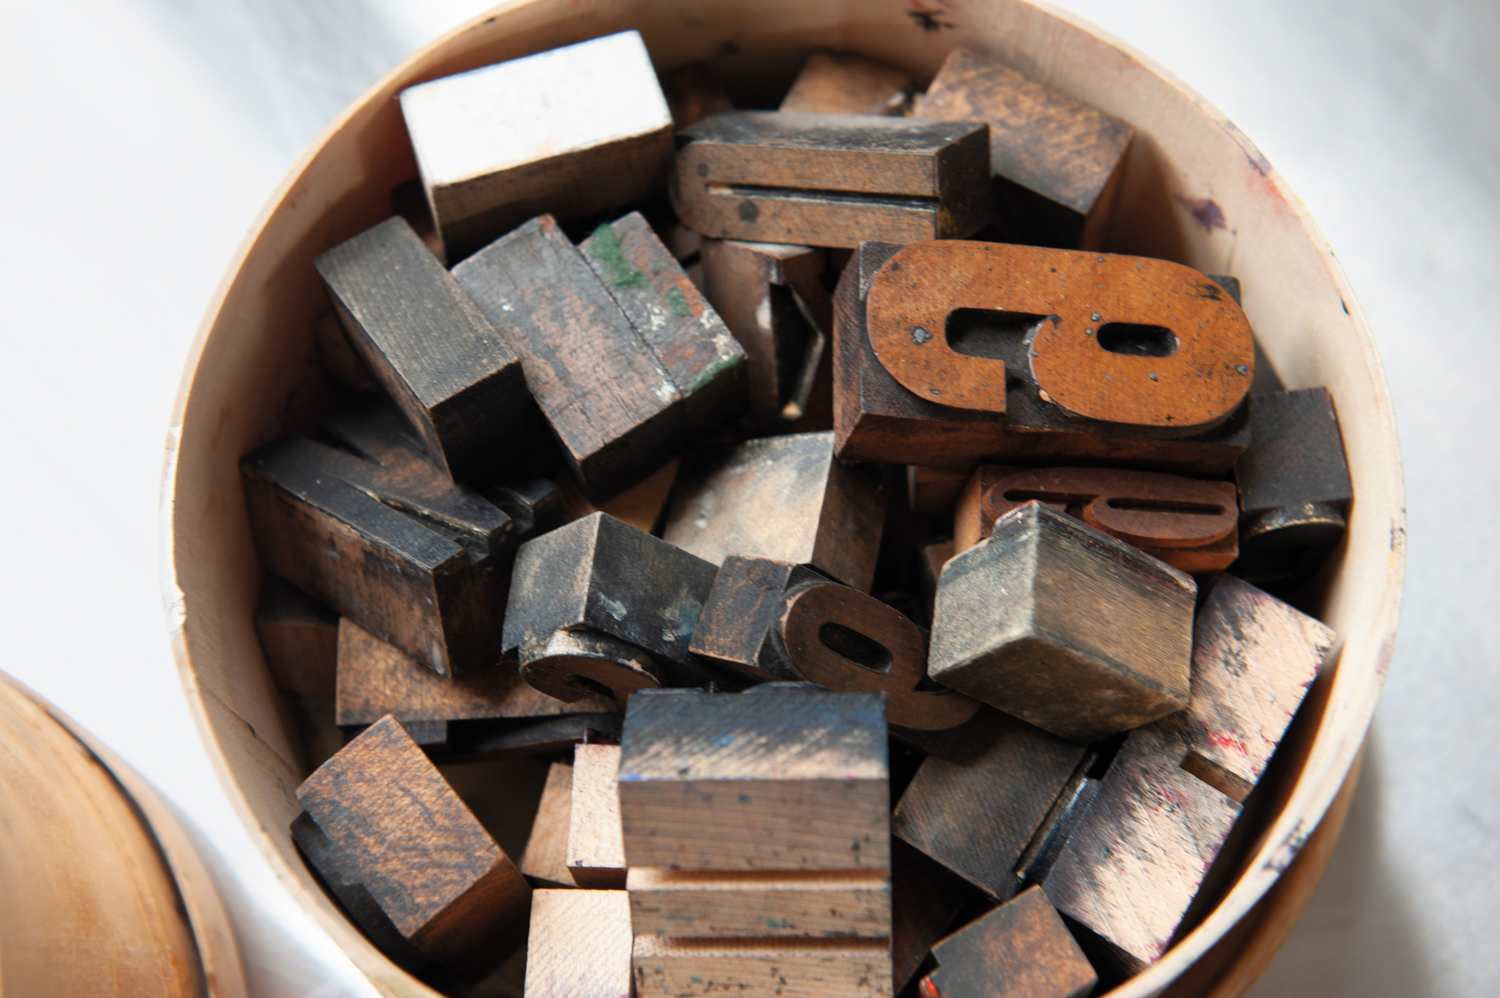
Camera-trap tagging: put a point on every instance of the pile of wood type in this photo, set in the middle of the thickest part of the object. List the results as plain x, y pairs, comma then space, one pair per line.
872, 586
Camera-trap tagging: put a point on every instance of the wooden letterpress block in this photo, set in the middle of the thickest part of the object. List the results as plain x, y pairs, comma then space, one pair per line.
1190, 525
771, 297
642, 506
1057, 160
596, 851
763, 968
830, 180
700, 355
976, 811
1294, 486
819, 904
572, 131
536, 504
694, 93
299, 637
417, 848
930, 561
934, 490
950, 353
777, 778
376, 678
545, 861
600, 606
844, 83
579, 945
738, 628
450, 371
786, 498
609, 397
1093, 638
532, 736
925, 899
1022, 949
384, 538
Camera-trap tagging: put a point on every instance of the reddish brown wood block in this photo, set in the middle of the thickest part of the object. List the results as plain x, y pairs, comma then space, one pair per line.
1022, 949
845, 83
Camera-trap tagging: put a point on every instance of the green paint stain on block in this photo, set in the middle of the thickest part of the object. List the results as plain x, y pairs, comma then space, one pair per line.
677, 303
605, 247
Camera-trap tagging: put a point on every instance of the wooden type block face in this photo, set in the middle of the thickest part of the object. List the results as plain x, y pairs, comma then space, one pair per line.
1095, 637
545, 862
786, 498
764, 968
580, 945
573, 131
777, 778
300, 637
376, 678
626, 602
693, 93
820, 904
386, 540
844, 83
417, 848
596, 850
975, 812
1191, 525
704, 361
1021, 949
451, 372
1059, 158
1294, 486
737, 629
830, 180
771, 297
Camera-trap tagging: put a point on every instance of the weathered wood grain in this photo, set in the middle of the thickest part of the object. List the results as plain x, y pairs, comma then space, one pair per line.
579, 946
977, 810
1021, 949
545, 861
786, 498
596, 850
763, 968
1058, 160
693, 93
777, 778
299, 637
1094, 638
573, 131
417, 848
1294, 484
450, 371
845, 83
738, 628
685, 904
830, 179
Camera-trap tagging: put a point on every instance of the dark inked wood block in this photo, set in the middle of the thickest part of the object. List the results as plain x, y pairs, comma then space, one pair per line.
925, 899
299, 637
693, 93
1093, 638
449, 370
976, 811
776, 778
417, 848
829, 179
1058, 160
1022, 949
573, 131
845, 83
786, 498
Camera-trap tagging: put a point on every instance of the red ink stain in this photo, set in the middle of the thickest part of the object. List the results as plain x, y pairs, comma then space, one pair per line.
1205, 210
928, 989
1228, 742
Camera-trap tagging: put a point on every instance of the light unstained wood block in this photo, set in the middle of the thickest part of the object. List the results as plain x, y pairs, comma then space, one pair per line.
573, 131
596, 848
300, 639
417, 848
830, 179
776, 778
1021, 949
451, 372
579, 946
773, 968
785, 498
376, 678
1061, 157
818, 904
845, 83
545, 861
1095, 637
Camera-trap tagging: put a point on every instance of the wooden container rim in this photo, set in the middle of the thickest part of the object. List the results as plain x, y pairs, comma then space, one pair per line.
1363, 655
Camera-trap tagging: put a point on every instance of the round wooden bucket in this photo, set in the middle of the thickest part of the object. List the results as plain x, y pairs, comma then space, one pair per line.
104, 893
1195, 190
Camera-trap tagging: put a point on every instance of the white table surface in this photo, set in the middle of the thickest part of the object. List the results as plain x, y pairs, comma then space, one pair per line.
141, 137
